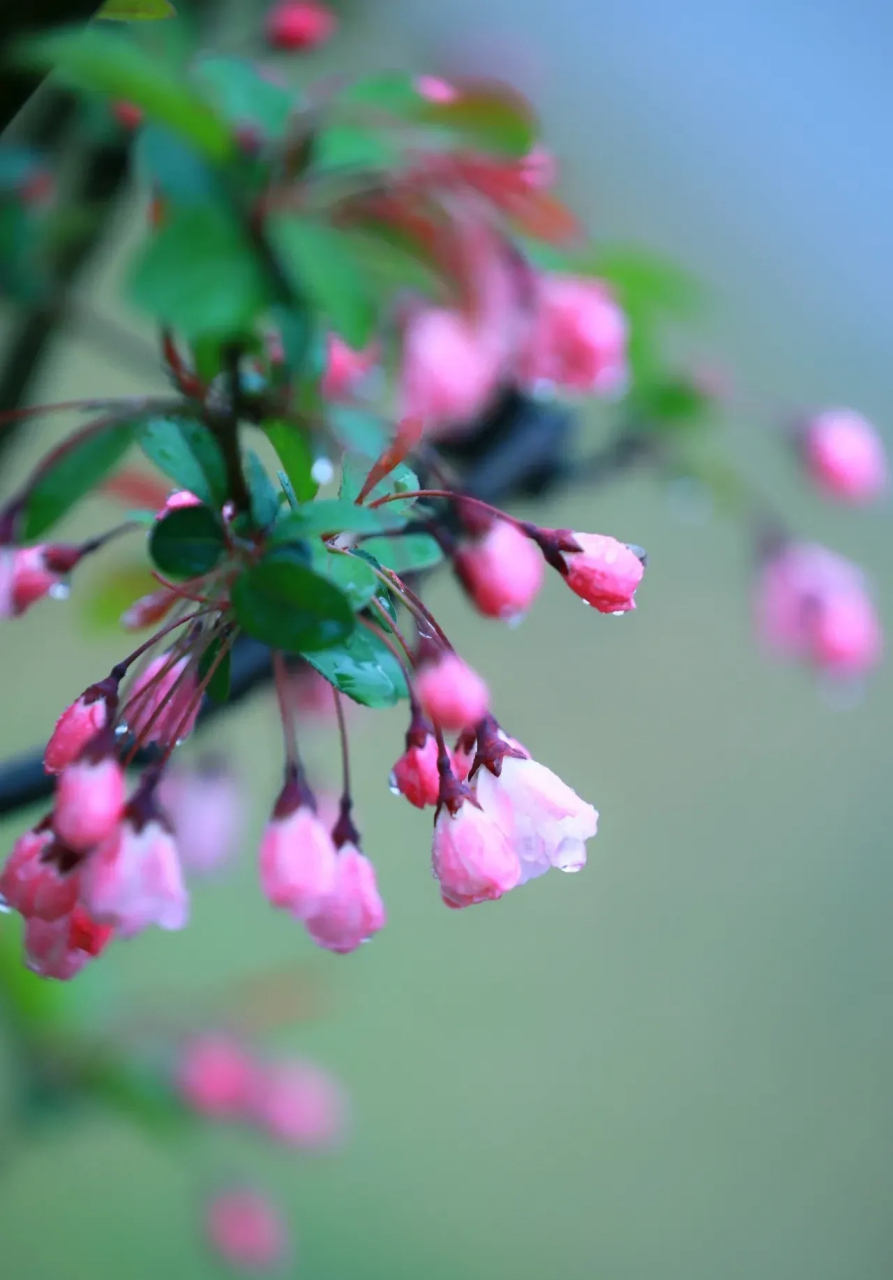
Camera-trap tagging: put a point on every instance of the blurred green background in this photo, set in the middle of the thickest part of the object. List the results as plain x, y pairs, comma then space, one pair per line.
675, 1065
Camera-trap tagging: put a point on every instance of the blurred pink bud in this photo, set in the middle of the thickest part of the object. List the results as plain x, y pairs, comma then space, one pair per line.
462, 758
578, 339
35, 886
545, 819
299, 1104
450, 692
134, 879
298, 862
310, 693
435, 90
89, 800
415, 775
206, 809
845, 456
215, 1077
60, 949
354, 910
538, 168
299, 24
814, 605
128, 114
75, 727
450, 368
246, 1230
604, 572
179, 498
149, 609
163, 703
502, 571
27, 574
346, 367
472, 857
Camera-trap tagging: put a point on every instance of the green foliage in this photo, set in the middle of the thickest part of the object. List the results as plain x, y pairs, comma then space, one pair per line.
200, 275
488, 117
363, 668
168, 164
353, 575
187, 453
402, 479
321, 267
293, 449
218, 686
332, 516
243, 96
79, 466
105, 62
187, 543
135, 10
409, 553
264, 494
285, 604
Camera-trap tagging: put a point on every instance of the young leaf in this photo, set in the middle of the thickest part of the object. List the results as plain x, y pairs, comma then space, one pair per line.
200, 275
409, 553
401, 480
71, 475
364, 668
318, 262
490, 117
264, 494
332, 516
167, 163
101, 60
136, 10
350, 146
293, 448
187, 543
218, 686
244, 96
283, 603
352, 574
188, 454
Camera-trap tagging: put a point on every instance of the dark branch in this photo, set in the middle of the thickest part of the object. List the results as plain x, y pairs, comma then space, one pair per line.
18, 19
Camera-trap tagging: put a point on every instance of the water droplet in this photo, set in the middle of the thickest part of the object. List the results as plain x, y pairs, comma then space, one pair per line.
619, 613
59, 591
392, 785
5, 908
514, 620
322, 470
120, 729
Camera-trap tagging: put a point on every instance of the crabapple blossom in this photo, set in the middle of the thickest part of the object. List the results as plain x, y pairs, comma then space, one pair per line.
845, 456
134, 879
32, 880
205, 806
89, 796
299, 24
353, 911
61, 948
246, 1230
163, 703
298, 859
604, 572
473, 856
28, 574
415, 774
502, 570
299, 1104
450, 692
450, 369
578, 338
215, 1077
78, 724
345, 367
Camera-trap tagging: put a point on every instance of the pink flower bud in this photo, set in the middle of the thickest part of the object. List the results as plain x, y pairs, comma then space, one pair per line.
845, 456
60, 949
604, 572
502, 571
578, 339
546, 820
134, 878
128, 114
538, 168
299, 24
815, 606
415, 775
206, 810
300, 1104
435, 90
354, 910
163, 703
298, 862
451, 693
149, 610
75, 727
32, 883
472, 857
27, 574
215, 1077
179, 498
89, 801
450, 369
345, 367
246, 1230
462, 758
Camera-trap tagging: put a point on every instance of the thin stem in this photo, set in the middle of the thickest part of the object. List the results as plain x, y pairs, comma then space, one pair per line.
383, 614
415, 605
345, 753
385, 640
120, 668
196, 699
452, 497
286, 711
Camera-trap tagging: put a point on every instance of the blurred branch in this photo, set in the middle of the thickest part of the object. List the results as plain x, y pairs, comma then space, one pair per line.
17, 20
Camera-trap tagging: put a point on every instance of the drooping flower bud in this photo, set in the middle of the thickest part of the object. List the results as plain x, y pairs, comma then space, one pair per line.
246, 1230
298, 860
299, 24
538, 168
27, 574
37, 880
61, 948
845, 456
299, 1104
345, 367
134, 879
450, 692
174, 501
604, 572
206, 809
472, 857
90, 795
163, 703
415, 775
216, 1077
502, 571
450, 369
578, 339
353, 911
149, 610
78, 724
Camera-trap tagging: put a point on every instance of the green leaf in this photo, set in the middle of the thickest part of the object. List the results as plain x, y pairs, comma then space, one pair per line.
187, 543
244, 96
351, 146
331, 515
409, 553
319, 264
264, 494
169, 165
394, 92
136, 10
218, 686
187, 453
293, 449
79, 467
490, 117
357, 430
364, 668
393, 263
402, 479
283, 603
355, 576
645, 283
94, 58
200, 275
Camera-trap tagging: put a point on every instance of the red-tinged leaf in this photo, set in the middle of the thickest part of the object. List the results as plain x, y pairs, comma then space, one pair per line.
535, 212
544, 217
136, 489
409, 433
488, 115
